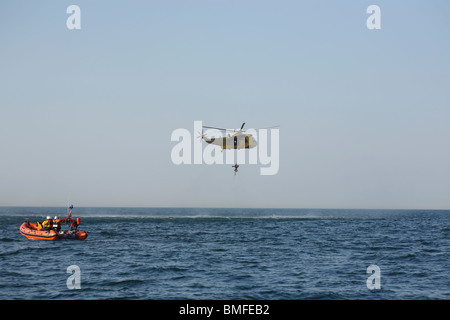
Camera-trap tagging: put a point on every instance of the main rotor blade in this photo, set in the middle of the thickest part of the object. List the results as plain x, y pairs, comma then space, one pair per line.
217, 128
270, 127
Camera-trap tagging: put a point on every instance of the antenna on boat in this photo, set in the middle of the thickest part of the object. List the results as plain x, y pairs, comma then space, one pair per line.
70, 213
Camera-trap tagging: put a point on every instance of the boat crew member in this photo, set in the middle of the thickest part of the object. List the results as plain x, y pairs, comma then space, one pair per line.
47, 224
74, 225
56, 224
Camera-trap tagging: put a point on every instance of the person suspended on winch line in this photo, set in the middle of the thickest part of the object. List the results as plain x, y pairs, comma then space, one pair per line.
236, 166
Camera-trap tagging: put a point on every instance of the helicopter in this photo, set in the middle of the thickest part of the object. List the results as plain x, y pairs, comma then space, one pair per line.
237, 140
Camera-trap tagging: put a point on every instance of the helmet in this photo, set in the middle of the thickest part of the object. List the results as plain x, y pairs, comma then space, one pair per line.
56, 217
48, 217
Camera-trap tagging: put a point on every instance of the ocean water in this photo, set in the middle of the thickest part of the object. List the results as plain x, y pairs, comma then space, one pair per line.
224, 254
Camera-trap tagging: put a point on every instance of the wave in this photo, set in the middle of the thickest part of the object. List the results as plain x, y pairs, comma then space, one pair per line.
123, 282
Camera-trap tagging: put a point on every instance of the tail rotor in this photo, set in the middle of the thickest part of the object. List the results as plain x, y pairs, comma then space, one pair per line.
200, 135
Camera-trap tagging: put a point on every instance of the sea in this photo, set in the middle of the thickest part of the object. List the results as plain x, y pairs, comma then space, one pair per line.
229, 254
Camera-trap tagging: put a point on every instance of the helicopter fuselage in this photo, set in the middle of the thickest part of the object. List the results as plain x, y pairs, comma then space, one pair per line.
235, 141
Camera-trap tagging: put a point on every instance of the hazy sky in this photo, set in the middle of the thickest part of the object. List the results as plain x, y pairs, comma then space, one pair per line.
86, 115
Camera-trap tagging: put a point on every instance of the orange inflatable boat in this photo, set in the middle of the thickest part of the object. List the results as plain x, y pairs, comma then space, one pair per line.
31, 231
35, 231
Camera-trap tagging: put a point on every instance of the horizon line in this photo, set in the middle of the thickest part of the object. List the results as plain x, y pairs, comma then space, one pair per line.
208, 207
